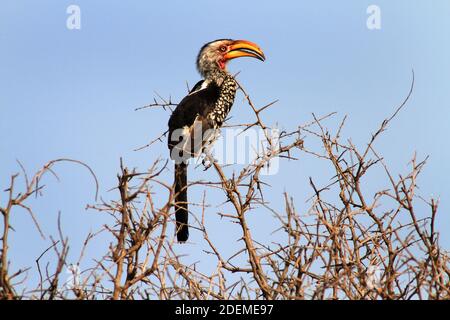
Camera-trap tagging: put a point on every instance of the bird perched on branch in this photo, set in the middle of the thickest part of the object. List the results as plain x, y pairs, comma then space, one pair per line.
195, 123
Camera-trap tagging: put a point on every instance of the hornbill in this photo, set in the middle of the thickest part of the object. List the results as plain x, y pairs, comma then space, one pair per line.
196, 121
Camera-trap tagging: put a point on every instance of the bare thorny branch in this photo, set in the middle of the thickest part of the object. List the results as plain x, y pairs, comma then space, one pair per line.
15, 200
350, 243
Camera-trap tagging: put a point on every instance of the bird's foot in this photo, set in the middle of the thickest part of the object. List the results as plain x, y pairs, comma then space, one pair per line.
206, 164
207, 160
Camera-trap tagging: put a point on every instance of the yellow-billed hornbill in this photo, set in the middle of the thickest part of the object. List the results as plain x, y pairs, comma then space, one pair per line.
195, 122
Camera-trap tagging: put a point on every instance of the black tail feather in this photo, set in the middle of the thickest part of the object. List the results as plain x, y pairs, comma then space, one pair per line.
181, 204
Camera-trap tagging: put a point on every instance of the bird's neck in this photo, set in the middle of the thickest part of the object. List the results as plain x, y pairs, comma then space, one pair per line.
217, 76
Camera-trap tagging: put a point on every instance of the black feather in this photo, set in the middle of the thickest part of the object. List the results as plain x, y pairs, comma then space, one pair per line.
199, 103
181, 205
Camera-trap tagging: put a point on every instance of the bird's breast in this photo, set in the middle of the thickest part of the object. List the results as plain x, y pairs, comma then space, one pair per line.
224, 103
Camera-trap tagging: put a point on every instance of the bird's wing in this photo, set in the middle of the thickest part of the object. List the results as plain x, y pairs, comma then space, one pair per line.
197, 87
189, 118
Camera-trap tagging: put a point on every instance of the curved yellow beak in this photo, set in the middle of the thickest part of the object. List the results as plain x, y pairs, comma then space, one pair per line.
244, 48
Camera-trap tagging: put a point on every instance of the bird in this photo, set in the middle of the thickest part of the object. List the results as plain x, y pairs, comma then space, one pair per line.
195, 123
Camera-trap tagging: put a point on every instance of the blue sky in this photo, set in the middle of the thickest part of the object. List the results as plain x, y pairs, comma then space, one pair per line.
72, 93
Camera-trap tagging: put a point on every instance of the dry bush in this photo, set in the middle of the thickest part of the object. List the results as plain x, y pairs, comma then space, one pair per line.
349, 244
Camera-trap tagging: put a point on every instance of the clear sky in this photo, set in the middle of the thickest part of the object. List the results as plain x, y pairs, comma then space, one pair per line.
72, 93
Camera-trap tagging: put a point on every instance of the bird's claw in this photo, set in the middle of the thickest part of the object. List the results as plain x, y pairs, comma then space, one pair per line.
206, 164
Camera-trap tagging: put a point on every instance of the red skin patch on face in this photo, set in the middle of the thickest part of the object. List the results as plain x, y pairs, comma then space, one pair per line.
222, 64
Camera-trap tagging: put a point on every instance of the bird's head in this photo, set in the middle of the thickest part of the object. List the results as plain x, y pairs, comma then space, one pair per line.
214, 55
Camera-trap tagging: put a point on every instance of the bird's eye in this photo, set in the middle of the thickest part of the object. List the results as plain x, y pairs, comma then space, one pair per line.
223, 48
